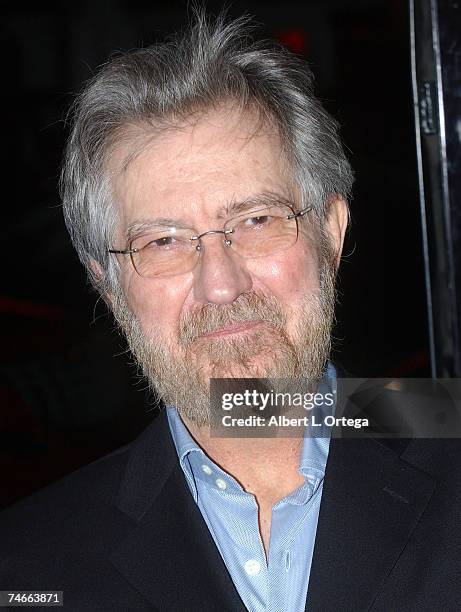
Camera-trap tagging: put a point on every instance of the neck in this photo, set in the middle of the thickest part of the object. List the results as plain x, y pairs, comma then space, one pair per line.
266, 467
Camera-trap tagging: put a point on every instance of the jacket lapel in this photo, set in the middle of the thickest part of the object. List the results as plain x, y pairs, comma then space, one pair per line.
168, 554
371, 502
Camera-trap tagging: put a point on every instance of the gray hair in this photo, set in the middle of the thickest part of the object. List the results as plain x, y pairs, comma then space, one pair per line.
198, 69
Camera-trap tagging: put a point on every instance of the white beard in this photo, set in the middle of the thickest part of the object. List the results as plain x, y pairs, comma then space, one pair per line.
180, 372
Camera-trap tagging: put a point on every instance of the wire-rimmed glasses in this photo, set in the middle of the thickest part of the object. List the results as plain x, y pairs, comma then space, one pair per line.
169, 250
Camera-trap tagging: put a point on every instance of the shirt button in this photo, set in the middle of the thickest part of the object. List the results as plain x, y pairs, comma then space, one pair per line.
207, 469
221, 483
252, 567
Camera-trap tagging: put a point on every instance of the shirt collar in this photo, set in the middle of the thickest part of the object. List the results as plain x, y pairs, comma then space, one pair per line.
197, 465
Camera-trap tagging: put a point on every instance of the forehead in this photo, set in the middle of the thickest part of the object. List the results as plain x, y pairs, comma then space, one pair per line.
193, 171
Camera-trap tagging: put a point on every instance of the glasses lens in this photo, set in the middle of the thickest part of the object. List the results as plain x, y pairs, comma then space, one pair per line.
264, 231
164, 252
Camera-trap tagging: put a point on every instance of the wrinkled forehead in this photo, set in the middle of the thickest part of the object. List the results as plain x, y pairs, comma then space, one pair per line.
226, 124
196, 167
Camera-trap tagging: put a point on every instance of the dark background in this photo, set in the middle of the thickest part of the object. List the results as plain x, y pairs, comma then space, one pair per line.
68, 392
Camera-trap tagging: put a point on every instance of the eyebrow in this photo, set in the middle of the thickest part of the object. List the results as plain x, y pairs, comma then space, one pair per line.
141, 226
234, 207
266, 198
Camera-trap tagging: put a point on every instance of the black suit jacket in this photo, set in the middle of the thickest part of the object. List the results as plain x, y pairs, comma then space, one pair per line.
125, 534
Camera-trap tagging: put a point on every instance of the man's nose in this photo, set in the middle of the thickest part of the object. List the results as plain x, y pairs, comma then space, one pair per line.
220, 275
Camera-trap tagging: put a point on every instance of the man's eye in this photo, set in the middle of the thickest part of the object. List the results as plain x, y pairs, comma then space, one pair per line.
165, 242
258, 221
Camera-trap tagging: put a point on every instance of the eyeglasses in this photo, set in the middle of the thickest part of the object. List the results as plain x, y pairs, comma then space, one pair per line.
167, 251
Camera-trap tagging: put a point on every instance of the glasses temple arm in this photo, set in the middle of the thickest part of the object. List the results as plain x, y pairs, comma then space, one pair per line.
301, 213
122, 252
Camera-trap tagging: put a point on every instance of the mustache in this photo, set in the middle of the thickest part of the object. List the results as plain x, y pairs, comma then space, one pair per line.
250, 306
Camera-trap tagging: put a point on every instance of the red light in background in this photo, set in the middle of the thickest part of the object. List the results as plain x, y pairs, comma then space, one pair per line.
294, 40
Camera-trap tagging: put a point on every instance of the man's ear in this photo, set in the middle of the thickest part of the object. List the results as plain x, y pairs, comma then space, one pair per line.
98, 274
336, 225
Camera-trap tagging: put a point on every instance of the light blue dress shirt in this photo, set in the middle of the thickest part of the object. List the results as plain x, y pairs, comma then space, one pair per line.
279, 584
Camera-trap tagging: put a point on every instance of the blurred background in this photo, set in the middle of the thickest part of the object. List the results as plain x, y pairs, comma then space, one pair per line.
68, 391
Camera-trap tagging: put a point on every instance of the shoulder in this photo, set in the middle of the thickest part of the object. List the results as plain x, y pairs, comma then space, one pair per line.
64, 505
81, 512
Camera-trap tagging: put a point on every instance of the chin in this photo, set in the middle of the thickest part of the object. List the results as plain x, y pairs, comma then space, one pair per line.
255, 369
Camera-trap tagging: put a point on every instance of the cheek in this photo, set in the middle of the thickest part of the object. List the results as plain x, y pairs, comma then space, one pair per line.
289, 276
157, 303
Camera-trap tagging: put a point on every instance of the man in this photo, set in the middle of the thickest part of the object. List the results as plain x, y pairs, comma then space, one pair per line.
205, 190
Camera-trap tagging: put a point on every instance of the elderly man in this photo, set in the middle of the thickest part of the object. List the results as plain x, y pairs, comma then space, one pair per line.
205, 190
